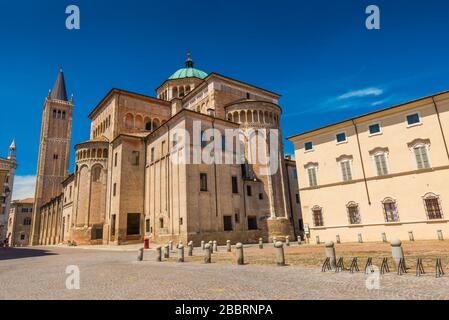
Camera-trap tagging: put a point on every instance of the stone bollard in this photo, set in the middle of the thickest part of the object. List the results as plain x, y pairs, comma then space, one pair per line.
228, 245
396, 251
239, 250
190, 245
140, 255
338, 238
360, 239
159, 254
215, 245
260, 243
410, 236
274, 240
299, 240
167, 251
180, 253
330, 253
384, 237
207, 253
317, 239
171, 245
202, 245
440, 235
280, 258
287, 241
211, 246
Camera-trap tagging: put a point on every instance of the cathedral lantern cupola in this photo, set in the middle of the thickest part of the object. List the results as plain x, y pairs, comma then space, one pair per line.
180, 83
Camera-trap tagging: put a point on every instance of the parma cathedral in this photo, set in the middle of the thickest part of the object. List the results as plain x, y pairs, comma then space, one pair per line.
125, 186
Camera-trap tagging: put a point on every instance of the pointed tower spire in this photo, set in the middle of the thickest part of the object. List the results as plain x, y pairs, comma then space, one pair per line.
59, 91
189, 61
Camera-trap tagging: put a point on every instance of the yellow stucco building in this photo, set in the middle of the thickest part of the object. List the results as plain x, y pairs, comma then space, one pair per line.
378, 176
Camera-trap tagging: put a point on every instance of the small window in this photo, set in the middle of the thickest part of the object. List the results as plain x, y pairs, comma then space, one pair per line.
235, 187
353, 213
308, 146
114, 189
413, 119
55, 156
433, 207
390, 210
249, 191
152, 155
135, 158
295, 174
203, 182
22, 237
163, 148
381, 164
237, 217
115, 159
346, 170
161, 223
113, 219
312, 177
297, 198
252, 223
341, 137
27, 221
181, 221
227, 223
260, 196
374, 129
317, 217
422, 158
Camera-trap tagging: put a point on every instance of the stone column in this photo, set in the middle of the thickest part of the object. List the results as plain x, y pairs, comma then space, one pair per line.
396, 251
299, 240
180, 253
207, 253
171, 245
167, 251
215, 245
330, 253
228, 245
158, 253
260, 243
287, 241
140, 255
280, 258
202, 245
211, 246
190, 253
240, 257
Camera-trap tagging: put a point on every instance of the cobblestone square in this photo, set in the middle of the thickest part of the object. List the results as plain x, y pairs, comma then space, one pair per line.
108, 273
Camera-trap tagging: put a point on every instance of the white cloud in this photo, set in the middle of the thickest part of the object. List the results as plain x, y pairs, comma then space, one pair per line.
361, 93
23, 187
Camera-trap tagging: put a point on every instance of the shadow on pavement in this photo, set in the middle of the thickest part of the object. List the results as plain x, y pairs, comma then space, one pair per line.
20, 253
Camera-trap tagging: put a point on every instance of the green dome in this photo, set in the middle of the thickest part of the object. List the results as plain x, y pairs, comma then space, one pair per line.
188, 72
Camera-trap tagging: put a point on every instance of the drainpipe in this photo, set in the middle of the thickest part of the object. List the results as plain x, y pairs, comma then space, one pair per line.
361, 161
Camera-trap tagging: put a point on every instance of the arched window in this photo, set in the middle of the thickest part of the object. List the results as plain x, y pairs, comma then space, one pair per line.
420, 149
390, 210
96, 174
27, 221
129, 121
63, 115
432, 205
139, 122
161, 223
105, 153
156, 124
353, 213
317, 215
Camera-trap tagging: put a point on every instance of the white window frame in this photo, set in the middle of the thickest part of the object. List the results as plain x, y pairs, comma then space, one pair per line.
377, 133
340, 168
341, 142
387, 163
314, 167
418, 145
414, 124
311, 150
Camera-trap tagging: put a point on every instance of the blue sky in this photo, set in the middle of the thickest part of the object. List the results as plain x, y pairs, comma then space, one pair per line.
317, 54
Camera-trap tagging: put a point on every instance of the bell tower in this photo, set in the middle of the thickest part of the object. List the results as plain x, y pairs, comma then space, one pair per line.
54, 150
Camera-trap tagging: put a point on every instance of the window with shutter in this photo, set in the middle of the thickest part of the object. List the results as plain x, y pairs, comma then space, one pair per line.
422, 158
381, 164
312, 177
346, 170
